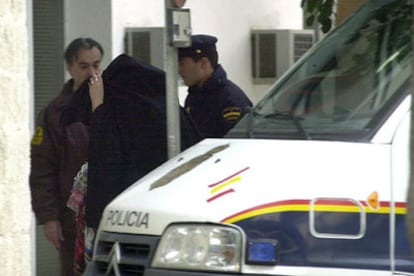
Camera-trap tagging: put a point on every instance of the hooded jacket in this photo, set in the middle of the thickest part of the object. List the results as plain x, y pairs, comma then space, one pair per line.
128, 132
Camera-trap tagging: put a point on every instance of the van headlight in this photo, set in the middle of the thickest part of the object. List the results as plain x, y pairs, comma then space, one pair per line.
199, 247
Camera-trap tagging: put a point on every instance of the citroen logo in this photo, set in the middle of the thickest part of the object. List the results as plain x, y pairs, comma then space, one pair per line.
113, 260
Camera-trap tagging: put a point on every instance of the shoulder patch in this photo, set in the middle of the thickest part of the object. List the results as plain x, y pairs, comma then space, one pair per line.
231, 114
37, 138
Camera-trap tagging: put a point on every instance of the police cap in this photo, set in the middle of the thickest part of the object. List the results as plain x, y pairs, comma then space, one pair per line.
201, 46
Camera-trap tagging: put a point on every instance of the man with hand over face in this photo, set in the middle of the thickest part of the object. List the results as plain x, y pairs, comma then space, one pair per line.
57, 153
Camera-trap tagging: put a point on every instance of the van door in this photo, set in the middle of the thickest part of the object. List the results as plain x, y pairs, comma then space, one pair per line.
400, 247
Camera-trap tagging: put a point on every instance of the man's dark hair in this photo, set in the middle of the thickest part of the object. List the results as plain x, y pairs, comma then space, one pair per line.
81, 43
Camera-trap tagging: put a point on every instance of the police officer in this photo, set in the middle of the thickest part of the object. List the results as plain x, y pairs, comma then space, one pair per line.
215, 103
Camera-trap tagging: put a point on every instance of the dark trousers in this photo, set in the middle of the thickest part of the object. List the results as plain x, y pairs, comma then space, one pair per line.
66, 255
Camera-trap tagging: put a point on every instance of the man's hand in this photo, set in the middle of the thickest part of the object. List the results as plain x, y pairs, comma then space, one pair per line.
96, 91
53, 232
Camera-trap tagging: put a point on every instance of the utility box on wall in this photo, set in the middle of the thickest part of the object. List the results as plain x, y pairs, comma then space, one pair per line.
146, 44
274, 51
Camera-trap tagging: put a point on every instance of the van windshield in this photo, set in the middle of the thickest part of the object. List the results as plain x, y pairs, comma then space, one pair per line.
346, 86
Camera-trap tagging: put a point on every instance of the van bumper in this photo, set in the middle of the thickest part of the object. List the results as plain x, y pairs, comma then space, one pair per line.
92, 270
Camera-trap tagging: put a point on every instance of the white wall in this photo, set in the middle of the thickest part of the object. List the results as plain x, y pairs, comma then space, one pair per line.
15, 87
229, 20
134, 13
232, 20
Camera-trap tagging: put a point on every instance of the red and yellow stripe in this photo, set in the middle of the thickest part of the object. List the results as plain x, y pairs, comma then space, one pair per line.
323, 205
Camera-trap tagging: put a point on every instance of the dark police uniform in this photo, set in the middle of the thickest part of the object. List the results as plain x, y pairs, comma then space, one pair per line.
219, 104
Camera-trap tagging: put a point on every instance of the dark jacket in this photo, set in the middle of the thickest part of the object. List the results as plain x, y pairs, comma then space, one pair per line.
56, 156
128, 134
216, 106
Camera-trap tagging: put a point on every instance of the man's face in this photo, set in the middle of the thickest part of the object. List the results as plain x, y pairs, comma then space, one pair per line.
86, 64
190, 71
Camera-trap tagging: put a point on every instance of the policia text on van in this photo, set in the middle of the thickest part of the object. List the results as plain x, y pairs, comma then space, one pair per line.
312, 182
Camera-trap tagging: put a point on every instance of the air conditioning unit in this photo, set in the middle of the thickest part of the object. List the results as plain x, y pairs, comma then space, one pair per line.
274, 51
146, 44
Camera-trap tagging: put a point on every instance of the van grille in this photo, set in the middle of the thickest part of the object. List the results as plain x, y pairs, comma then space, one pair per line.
131, 253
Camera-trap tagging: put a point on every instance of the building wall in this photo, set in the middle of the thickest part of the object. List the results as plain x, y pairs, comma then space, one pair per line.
15, 102
230, 20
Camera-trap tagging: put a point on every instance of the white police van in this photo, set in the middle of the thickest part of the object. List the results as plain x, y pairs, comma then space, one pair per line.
312, 182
